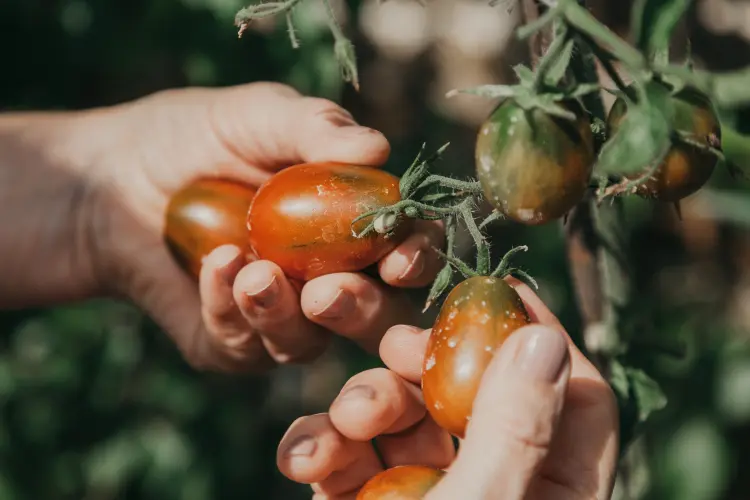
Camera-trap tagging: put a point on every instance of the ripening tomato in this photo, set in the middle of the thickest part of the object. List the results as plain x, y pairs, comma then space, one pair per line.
301, 218
204, 215
533, 167
405, 482
686, 168
478, 315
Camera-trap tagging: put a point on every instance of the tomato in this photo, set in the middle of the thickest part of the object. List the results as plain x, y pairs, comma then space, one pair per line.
301, 218
534, 167
686, 168
405, 482
478, 315
204, 215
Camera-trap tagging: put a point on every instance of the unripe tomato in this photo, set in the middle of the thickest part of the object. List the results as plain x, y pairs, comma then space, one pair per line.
533, 167
204, 215
686, 168
405, 482
301, 218
478, 315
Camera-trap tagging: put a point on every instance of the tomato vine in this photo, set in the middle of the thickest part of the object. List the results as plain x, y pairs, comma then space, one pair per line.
617, 156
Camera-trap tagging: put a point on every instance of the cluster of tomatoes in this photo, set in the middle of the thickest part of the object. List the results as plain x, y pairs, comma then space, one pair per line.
533, 168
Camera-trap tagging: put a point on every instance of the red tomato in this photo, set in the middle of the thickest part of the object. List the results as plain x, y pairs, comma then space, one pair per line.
406, 482
301, 218
204, 215
476, 318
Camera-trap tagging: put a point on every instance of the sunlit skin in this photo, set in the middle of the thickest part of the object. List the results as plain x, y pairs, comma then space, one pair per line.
406, 482
477, 316
686, 168
301, 219
533, 167
204, 215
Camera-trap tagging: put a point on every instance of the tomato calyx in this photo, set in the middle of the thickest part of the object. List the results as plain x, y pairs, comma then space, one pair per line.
424, 196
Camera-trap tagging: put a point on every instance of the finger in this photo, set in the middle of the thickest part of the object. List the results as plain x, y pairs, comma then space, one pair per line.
414, 263
229, 342
355, 306
540, 313
313, 452
269, 303
402, 350
255, 121
514, 418
376, 402
424, 443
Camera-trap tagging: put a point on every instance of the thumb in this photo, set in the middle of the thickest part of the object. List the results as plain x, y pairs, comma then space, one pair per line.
514, 419
272, 126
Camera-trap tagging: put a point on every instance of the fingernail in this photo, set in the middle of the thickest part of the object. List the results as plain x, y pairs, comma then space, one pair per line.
265, 295
302, 446
224, 259
415, 267
341, 305
543, 354
356, 392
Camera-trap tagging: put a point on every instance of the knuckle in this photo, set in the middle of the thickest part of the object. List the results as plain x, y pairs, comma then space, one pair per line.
325, 110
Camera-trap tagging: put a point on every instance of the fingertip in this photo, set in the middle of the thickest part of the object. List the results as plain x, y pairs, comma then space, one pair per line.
402, 350
375, 402
537, 309
414, 263
221, 265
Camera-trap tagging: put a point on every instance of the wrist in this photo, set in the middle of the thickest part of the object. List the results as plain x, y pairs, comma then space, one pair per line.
48, 164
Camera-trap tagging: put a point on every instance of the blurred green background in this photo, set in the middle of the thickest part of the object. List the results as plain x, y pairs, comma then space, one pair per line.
96, 404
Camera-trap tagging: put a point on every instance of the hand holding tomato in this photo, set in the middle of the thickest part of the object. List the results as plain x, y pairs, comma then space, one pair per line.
544, 425
241, 316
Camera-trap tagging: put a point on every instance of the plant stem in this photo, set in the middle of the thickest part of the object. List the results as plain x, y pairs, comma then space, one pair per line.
581, 19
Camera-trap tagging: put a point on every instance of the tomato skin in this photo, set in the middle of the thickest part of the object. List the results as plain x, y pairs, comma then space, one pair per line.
686, 168
206, 214
404, 482
301, 218
478, 315
534, 168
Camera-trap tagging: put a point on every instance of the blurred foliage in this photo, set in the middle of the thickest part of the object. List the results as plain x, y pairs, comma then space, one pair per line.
96, 403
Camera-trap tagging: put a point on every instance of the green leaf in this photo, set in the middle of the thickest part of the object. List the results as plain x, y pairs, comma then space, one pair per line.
524, 73
557, 69
643, 136
639, 396
653, 22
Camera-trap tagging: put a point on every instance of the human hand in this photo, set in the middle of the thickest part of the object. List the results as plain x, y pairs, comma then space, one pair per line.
241, 316
544, 424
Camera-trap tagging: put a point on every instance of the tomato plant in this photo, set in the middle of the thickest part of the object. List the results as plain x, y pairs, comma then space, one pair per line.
686, 167
405, 482
478, 315
301, 218
534, 167
204, 215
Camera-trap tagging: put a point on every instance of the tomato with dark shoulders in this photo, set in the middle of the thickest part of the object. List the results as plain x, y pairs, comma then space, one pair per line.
204, 215
686, 168
478, 315
534, 167
404, 482
301, 218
